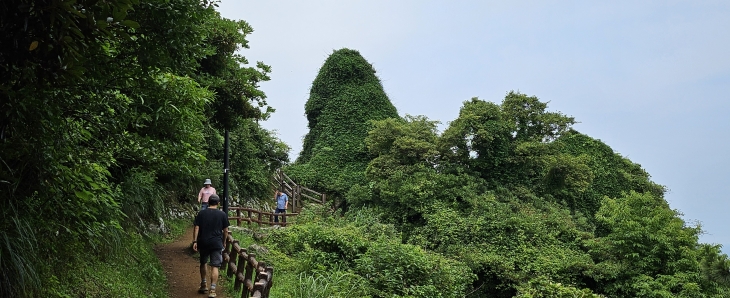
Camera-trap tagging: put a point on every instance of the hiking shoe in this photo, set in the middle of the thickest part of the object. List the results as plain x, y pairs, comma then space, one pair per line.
203, 288
211, 294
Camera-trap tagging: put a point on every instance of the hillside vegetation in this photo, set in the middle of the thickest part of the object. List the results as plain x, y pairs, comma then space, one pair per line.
113, 111
507, 201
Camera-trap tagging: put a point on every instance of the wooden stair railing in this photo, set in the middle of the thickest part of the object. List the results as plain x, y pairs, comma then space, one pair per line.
296, 192
296, 195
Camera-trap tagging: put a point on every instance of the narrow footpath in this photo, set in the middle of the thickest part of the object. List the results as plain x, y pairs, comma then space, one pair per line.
183, 268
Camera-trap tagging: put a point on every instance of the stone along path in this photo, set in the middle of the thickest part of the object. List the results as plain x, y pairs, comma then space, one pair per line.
183, 268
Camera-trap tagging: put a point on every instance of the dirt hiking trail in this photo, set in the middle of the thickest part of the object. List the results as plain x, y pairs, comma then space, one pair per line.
183, 268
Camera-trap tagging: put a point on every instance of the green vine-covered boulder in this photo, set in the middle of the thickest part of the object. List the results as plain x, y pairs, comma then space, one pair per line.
345, 96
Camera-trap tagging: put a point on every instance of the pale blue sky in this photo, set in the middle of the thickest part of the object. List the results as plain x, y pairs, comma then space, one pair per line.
649, 78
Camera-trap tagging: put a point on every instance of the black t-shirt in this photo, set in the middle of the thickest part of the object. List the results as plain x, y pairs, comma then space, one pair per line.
211, 223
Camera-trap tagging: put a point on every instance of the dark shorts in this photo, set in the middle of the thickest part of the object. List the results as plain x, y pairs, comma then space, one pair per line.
215, 255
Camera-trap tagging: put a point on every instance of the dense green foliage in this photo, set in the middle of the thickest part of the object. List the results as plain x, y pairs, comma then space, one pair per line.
345, 96
357, 256
612, 174
256, 153
114, 273
530, 206
111, 111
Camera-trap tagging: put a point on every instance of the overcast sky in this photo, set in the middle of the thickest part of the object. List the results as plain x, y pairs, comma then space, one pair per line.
649, 78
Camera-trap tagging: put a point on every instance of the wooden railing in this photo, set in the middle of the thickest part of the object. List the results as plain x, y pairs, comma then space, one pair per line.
296, 192
251, 216
252, 278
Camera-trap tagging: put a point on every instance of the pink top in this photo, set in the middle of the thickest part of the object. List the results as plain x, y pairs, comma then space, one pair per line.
205, 193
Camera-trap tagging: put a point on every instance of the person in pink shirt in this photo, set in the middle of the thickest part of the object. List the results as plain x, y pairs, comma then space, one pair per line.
205, 193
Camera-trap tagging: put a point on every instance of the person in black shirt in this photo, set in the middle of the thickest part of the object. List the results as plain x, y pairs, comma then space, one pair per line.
211, 229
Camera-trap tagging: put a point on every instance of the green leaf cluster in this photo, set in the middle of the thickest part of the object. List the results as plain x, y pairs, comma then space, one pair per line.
256, 153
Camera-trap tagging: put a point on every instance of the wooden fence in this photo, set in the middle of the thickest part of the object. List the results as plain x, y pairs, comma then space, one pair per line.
259, 217
296, 192
252, 278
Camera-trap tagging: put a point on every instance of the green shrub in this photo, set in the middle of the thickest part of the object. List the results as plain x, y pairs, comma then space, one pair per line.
373, 253
142, 197
541, 287
403, 269
320, 244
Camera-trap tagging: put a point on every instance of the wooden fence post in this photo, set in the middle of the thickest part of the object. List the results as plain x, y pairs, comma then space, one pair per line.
247, 275
238, 215
232, 255
259, 287
270, 273
298, 199
240, 269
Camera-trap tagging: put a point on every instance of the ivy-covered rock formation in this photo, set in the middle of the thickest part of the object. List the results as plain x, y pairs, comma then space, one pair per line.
345, 96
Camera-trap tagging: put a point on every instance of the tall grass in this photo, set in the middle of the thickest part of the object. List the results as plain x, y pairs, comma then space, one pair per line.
133, 270
19, 276
331, 284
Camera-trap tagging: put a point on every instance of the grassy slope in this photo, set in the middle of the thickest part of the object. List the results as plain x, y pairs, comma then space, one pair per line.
132, 270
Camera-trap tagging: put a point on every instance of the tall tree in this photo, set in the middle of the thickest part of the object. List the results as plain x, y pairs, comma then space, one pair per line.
235, 85
104, 107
